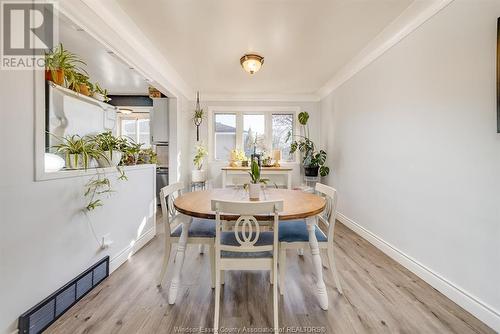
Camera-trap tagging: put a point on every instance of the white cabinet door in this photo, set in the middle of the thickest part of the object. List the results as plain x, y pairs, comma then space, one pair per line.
159, 121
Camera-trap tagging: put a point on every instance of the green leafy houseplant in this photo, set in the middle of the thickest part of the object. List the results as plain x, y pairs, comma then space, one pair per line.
201, 153
313, 160
131, 152
77, 151
148, 156
255, 180
198, 174
79, 82
100, 93
59, 62
111, 147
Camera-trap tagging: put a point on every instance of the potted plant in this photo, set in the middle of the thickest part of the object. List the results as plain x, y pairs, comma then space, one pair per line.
110, 147
131, 153
99, 93
255, 180
58, 62
148, 156
198, 174
79, 82
78, 151
313, 160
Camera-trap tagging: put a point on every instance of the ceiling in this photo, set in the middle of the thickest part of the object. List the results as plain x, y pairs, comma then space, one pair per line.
103, 67
305, 43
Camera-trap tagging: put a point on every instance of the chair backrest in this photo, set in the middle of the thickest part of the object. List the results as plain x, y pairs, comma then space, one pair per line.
167, 196
329, 215
247, 229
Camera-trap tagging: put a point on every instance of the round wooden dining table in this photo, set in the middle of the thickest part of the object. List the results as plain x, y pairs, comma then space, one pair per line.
296, 205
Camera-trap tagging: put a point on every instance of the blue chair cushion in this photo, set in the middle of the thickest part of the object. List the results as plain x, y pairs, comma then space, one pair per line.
204, 228
229, 239
296, 231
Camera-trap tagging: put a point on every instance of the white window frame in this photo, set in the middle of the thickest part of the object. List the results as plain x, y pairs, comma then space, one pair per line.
239, 111
138, 113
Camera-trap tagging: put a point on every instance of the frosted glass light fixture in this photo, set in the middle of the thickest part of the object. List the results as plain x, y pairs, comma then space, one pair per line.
251, 63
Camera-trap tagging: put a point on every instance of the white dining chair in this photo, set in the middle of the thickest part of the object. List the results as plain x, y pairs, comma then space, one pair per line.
294, 235
201, 231
246, 247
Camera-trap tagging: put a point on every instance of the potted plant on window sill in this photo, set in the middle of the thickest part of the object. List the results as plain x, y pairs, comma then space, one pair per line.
78, 151
313, 160
198, 174
255, 181
110, 147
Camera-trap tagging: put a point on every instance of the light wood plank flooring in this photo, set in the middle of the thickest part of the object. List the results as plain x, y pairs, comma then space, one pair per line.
380, 296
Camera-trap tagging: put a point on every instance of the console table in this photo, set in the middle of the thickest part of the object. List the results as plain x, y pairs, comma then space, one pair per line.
287, 172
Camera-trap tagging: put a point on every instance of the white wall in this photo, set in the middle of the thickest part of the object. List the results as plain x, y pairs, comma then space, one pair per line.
214, 168
44, 237
416, 157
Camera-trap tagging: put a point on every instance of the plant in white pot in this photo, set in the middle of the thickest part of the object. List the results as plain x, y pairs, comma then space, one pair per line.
77, 151
110, 147
255, 180
199, 174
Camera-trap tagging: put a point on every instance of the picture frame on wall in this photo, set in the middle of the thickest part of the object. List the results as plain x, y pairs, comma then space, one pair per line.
498, 75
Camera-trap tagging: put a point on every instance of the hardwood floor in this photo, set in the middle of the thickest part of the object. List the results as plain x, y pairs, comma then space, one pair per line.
380, 296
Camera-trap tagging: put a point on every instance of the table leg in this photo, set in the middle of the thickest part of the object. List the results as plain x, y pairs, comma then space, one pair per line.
179, 261
317, 267
289, 180
224, 175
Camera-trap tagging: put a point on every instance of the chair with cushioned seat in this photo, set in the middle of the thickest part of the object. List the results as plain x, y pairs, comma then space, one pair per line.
246, 247
294, 235
201, 231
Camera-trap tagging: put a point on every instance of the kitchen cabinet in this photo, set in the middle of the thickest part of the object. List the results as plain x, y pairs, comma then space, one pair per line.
159, 121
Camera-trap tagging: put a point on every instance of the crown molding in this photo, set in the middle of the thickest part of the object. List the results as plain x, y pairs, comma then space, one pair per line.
110, 25
209, 97
410, 19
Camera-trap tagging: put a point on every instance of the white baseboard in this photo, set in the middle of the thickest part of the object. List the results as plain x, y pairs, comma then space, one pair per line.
125, 254
479, 309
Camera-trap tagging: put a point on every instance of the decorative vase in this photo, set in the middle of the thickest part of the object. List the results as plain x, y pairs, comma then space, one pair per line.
74, 161
198, 175
254, 191
109, 160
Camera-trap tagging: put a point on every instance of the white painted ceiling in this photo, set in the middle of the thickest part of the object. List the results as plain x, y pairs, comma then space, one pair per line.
304, 42
107, 69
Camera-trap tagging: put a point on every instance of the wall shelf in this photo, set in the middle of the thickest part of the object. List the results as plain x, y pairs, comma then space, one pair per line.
88, 99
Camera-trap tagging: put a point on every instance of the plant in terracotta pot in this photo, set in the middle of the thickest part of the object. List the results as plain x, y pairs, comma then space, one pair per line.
255, 180
78, 151
111, 149
79, 82
198, 174
313, 160
58, 62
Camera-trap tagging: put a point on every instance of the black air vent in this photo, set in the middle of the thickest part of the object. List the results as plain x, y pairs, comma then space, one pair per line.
42, 315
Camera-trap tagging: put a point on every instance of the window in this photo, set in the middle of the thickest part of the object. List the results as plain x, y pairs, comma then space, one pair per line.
282, 127
254, 129
136, 127
239, 127
224, 135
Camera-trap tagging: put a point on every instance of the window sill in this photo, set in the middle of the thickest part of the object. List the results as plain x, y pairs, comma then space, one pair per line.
63, 174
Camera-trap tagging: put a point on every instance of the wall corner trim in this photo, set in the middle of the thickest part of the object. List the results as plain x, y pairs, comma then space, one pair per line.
479, 309
410, 19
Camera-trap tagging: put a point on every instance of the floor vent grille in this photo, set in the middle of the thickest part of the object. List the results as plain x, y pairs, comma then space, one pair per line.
42, 315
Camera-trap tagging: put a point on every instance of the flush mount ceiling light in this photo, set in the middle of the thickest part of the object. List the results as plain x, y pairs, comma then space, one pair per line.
251, 62
125, 111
